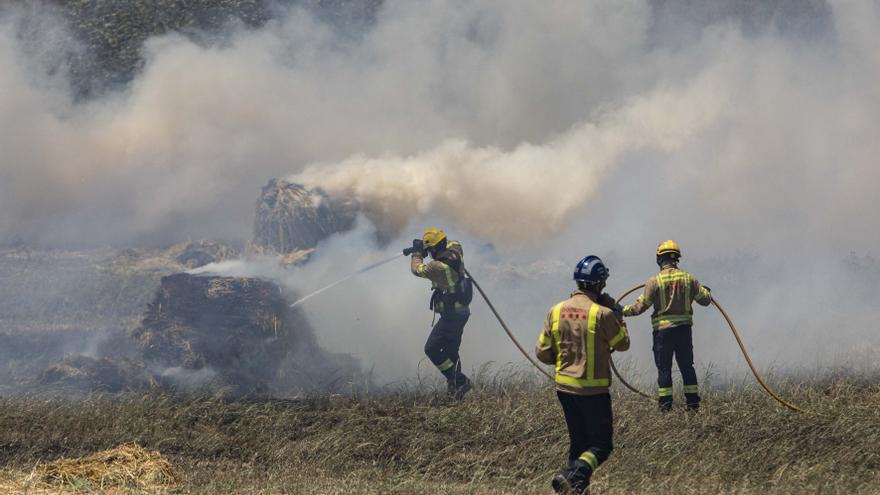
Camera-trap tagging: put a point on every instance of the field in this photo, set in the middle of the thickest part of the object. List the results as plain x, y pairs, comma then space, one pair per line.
507, 437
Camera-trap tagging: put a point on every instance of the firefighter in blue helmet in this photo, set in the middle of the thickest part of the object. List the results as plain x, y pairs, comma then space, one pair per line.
451, 299
578, 336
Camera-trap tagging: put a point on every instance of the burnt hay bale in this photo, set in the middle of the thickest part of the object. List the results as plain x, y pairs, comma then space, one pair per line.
291, 218
200, 253
97, 374
235, 333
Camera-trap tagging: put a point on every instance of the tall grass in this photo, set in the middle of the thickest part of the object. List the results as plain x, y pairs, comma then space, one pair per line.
506, 437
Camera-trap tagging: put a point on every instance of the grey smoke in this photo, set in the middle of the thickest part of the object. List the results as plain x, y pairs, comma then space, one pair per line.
551, 130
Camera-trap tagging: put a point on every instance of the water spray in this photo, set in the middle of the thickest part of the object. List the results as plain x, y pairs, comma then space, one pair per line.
334, 284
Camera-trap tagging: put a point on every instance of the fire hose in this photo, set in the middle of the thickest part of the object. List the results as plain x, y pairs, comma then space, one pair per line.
733, 329
739, 342
513, 339
504, 326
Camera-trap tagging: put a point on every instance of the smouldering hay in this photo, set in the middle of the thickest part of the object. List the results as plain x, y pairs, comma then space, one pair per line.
127, 466
291, 218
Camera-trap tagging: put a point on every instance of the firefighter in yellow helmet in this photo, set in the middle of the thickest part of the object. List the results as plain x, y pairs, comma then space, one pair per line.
672, 292
451, 299
578, 337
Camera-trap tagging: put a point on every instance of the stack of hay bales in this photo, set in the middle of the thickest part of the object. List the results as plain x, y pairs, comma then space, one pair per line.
221, 331
291, 219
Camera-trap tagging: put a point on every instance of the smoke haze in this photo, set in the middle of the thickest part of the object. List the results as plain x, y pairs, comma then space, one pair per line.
549, 130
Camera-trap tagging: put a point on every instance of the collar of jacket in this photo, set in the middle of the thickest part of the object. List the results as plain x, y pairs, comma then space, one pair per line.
589, 295
668, 266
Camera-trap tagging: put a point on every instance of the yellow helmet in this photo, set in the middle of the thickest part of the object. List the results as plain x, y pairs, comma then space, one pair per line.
432, 237
667, 247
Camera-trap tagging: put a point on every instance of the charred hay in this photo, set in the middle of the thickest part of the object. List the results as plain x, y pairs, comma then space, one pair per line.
238, 334
97, 374
292, 219
200, 253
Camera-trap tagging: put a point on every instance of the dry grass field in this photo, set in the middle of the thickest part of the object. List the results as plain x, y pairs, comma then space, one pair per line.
507, 437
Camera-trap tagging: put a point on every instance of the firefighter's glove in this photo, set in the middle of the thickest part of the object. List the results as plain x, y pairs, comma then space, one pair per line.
605, 300
418, 246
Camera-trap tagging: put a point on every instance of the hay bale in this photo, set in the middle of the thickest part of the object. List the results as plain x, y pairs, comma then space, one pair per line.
125, 466
221, 331
97, 374
291, 218
200, 253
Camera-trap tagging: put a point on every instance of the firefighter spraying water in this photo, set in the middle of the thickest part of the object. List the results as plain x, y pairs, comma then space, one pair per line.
450, 299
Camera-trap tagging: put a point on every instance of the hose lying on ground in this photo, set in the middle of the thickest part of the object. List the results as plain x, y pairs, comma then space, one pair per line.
742, 348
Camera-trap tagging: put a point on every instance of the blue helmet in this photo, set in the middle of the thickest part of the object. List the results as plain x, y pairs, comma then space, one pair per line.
591, 270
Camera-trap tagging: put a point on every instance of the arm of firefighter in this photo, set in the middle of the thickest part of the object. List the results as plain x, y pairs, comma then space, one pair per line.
615, 332
544, 349
643, 302
700, 294
417, 265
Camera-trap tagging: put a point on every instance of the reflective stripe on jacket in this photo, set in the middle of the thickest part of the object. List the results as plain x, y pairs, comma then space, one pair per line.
671, 293
577, 337
441, 275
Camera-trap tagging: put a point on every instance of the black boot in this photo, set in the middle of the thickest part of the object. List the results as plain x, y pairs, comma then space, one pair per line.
692, 402
665, 403
458, 387
574, 479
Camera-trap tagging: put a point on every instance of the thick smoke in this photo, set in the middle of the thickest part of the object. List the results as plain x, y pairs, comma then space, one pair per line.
551, 130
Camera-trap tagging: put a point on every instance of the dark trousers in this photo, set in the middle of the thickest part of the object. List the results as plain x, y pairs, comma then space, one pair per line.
443, 344
675, 342
590, 425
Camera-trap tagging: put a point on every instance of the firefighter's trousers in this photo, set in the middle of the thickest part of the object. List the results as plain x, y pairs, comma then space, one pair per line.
675, 342
590, 427
443, 344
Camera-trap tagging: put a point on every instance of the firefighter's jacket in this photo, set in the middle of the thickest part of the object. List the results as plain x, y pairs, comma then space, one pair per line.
577, 337
671, 293
444, 273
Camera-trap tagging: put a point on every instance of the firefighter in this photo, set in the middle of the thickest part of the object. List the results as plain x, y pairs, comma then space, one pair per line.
671, 293
578, 336
450, 300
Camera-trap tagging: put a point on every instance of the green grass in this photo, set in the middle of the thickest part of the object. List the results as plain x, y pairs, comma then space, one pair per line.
504, 438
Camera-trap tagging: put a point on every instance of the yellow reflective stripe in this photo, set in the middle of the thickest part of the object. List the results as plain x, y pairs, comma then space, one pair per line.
554, 329
661, 289
591, 459
582, 382
542, 338
690, 389
671, 319
421, 269
449, 278
664, 392
445, 365
591, 341
617, 338
687, 294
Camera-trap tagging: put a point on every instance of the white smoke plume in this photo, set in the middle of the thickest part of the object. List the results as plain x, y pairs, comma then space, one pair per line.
552, 129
